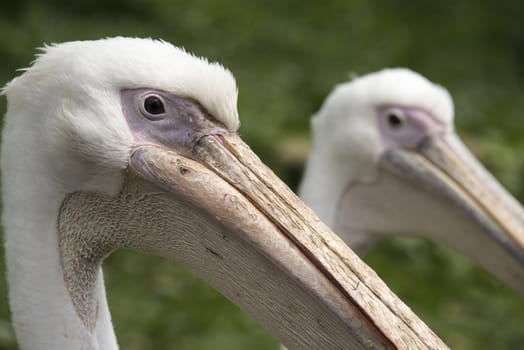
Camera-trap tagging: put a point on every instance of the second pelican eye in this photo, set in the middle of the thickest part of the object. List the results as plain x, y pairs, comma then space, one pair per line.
394, 120
154, 105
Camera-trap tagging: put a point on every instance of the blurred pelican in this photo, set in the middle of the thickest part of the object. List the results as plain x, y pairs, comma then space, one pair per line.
386, 161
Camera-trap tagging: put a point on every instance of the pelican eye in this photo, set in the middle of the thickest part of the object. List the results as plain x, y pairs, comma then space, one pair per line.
154, 105
394, 120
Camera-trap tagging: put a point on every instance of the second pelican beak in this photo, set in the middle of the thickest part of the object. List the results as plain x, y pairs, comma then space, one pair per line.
443, 166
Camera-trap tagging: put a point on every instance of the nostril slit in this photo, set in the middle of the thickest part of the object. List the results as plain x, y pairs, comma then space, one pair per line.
183, 170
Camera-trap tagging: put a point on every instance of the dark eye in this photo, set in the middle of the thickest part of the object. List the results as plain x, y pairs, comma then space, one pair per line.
394, 120
154, 105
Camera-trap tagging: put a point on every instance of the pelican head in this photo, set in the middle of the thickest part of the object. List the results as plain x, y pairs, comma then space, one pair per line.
387, 161
132, 143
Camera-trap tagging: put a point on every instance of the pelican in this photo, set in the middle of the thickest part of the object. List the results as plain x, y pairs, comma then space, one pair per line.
386, 161
132, 143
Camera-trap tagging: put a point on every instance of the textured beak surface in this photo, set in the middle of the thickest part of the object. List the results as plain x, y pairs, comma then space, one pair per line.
226, 180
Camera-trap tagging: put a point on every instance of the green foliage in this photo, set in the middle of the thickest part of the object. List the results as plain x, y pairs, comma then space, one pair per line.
287, 56
461, 303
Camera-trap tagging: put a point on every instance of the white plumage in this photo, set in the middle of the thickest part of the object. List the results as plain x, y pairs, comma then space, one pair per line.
64, 132
346, 139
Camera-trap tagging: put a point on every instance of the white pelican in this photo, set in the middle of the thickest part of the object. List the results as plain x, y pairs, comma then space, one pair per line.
386, 161
132, 143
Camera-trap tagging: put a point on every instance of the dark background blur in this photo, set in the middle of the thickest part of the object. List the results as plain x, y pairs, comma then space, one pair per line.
286, 56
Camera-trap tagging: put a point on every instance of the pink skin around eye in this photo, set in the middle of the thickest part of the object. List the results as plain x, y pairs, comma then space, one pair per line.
415, 125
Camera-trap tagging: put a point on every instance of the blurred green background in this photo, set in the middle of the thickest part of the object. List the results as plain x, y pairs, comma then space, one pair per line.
286, 56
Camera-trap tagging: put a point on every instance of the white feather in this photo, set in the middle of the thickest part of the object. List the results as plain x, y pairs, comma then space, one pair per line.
346, 140
64, 132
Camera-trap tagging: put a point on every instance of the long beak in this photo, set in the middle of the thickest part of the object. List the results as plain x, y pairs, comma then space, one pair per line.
445, 167
307, 288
